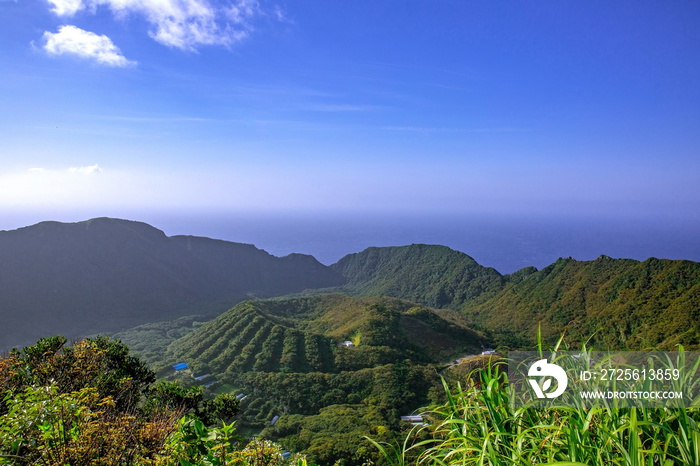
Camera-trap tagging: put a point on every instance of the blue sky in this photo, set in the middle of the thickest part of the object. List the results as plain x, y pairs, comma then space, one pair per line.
117, 107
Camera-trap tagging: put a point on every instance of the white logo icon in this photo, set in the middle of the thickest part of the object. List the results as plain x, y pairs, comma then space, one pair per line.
546, 372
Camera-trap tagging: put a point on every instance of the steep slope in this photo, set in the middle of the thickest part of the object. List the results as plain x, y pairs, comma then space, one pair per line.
303, 335
622, 303
109, 274
285, 357
432, 275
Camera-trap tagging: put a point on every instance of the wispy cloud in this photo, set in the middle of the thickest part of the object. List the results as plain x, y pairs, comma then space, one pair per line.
280, 15
183, 24
243, 11
52, 186
83, 170
87, 170
72, 40
150, 119
329, 107
438, 129
278, 93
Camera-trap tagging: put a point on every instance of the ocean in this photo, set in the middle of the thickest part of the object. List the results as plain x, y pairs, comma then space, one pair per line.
506, 243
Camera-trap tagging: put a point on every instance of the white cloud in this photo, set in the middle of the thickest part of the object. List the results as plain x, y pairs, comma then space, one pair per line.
280, 15
66, 7
184, 24
137, 188
75, 41
88, 170
242, 11
54, 186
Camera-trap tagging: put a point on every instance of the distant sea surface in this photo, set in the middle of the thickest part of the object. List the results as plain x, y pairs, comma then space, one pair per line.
504, 242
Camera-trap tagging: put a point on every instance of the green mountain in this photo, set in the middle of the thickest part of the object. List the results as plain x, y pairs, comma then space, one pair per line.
621, 303
107, 274
304, 335
432, 275
288, 358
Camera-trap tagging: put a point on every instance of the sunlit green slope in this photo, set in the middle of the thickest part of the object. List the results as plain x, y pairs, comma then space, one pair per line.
305, 335
621, 303
433, 275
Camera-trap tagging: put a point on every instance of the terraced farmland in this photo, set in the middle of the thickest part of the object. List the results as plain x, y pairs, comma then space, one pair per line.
303, 334
244, 339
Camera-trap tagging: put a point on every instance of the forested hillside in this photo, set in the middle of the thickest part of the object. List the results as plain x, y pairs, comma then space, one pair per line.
619, 303
287, 356
433, 275
107, 274
304, 334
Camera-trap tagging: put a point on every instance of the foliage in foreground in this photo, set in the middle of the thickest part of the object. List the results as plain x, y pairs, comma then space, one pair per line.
93, 403
481, 425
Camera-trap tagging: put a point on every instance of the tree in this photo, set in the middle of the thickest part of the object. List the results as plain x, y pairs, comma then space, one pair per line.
93, 403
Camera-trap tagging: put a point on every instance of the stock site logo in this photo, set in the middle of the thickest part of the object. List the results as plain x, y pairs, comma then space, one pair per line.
546, 373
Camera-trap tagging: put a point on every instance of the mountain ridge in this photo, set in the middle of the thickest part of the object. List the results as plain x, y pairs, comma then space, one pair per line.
107, 274
620, 303
433, 275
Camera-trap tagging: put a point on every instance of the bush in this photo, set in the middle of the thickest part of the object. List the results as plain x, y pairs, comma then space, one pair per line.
93, 403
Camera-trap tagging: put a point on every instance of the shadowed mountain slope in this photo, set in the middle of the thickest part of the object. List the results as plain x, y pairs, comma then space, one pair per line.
108, 274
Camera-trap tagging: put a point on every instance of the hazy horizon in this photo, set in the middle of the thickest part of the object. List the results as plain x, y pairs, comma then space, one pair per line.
506, 243
212, 108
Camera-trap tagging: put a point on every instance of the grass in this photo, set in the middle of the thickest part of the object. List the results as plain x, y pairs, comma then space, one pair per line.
481, 424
